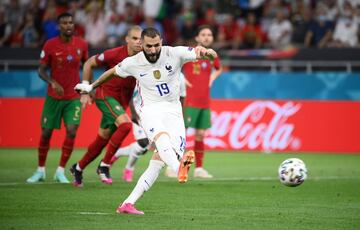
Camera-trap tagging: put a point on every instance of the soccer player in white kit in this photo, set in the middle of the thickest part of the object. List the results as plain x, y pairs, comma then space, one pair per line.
133, 150
157, 70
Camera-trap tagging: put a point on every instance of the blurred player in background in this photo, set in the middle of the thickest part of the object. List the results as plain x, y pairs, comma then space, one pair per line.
157, 70
112, 98
63, 55
200, 76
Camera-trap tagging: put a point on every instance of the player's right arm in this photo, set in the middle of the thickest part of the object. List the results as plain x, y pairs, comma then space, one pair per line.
85, 88
118, 70
45, 59
88, 67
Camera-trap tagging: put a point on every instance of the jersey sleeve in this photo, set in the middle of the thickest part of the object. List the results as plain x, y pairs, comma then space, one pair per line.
185, 53
105, 57
217, 63
45, 56
122, 68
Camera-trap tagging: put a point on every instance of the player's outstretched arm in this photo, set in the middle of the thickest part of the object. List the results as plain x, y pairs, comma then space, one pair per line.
86, 88
88, 67
204, 53
87, 77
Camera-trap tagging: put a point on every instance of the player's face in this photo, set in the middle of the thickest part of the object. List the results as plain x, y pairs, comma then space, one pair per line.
66, 26
152, 48
133, 39
205, 38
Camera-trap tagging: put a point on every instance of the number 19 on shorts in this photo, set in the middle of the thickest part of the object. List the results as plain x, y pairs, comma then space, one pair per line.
163, 89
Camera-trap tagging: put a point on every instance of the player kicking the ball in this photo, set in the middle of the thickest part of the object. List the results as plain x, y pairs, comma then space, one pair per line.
157, 70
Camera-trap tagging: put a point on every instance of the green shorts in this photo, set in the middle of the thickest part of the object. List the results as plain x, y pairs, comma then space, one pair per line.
110, 109
55, 110
197, 118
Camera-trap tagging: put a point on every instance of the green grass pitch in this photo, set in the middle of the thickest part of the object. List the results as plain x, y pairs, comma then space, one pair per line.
245, 194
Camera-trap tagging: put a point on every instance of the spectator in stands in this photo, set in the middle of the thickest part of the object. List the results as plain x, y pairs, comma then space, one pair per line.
150, 21
210, 20
280, 31
76, 9
29, 34
188, 29
301, 24
252, 36
319, 33
49, 25
14, 14
95, 27
5, 29
332, 12
346, 31
228, 34
115, 31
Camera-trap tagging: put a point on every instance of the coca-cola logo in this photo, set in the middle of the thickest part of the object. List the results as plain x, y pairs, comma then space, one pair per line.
262, 125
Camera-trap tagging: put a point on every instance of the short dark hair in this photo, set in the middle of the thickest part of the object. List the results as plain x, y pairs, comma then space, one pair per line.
63, 15
203, 27
150, 32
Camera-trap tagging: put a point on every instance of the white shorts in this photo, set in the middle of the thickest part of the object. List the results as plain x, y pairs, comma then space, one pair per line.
139, 132
165, 117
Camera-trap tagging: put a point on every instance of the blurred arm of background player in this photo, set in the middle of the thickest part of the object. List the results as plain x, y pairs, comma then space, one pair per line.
44, 76
215, 74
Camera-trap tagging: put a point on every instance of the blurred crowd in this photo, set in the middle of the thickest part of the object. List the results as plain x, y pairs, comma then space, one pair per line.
237, 24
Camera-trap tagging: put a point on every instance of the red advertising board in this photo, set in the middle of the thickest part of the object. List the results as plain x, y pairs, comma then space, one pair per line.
261, 125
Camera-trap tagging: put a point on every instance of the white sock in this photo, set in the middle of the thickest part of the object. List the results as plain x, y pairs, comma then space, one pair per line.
78, 167
131, 161
60, 169
102, 164
41, 169
127, 150
167, 153
146, 180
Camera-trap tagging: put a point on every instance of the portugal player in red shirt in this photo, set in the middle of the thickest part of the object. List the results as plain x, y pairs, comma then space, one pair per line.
112, 98
63, 55
200, 75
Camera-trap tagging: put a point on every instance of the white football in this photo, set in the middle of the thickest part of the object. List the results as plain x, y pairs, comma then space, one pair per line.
292, 172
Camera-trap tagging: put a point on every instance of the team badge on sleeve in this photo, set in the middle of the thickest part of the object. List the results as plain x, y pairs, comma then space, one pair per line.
157, 74
101, 57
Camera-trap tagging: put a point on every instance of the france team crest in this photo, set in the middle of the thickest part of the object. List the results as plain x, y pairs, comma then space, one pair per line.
157, 74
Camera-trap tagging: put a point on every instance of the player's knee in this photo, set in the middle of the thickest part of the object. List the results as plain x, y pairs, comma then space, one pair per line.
143, 142
46, 134
71, 131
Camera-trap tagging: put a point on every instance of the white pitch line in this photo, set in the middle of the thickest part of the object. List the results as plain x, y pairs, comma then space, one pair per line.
93, 213
4, 184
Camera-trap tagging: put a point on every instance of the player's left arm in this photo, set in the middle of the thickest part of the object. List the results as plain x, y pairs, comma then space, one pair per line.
215, 74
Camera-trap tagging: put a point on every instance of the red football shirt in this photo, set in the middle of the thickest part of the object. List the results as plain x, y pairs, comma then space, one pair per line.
198, 74
64, 59
119, 88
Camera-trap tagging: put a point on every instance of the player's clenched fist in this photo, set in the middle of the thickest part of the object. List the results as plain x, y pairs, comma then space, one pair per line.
83, 88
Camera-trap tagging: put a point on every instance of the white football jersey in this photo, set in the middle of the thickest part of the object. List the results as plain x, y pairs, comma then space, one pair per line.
160, 81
